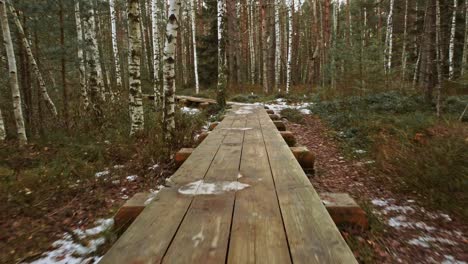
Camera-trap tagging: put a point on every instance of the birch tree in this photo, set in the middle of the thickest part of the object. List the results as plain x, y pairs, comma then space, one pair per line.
13, 78
81, 62
115, 47
155, 14
194, 41
94, 72
42, 86
134, 67
2, 124
290, 36
405, 36
452, 40
221, 86
389, 39
278, 46
169, 67
465, 44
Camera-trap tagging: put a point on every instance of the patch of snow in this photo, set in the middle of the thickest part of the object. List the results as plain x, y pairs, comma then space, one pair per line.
118, 167
153, 167
402, 222
426, 241
451, 260
132, 178
198, 238
204, 188
125, 197
153, 194
306, 111
379, 202
68, 251
398, 208
189, 110
243, 112
360, 151
281, 104
239, 176
102, 173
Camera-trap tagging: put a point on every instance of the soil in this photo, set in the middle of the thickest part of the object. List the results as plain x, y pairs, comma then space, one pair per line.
403, 230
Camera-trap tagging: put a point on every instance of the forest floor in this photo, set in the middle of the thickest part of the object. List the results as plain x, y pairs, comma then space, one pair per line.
401, 229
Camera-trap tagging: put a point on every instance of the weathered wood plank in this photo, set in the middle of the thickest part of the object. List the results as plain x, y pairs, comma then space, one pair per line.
204, 234
257, 234
311, 233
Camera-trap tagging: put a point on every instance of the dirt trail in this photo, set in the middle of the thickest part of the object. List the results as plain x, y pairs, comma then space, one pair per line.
411, 233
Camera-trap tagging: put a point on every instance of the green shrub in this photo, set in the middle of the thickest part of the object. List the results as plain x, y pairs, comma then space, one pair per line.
292, 115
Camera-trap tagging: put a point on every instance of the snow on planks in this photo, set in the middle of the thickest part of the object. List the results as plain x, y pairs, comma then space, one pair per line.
241, 197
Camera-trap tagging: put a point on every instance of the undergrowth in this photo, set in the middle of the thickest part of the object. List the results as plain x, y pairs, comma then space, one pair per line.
426, 155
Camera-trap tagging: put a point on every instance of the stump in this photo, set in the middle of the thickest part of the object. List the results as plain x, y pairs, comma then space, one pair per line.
280, 125
129, 211
344, 211
305, 158
213, 126
182, 155
288, 136
274, 117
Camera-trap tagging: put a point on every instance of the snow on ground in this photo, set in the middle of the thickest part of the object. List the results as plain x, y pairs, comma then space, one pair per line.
281, 104
189, 110
153, 194
204, 188
68, 251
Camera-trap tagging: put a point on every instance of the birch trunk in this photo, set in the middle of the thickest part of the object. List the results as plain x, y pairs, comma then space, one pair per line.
264, 47
439, 58
389, 39
465, 44
221, 56
155, 14
405, 35
251, 43
42, 86
115, 47
194, 43
94, 73
169, 67
13, 78
452, 40
2, 124
81, 61
134, 67
277, 46
290, 36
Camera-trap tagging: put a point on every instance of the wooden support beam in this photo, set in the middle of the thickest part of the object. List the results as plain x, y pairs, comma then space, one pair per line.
274, 117
182, 155
345, 212
288, 136
213, 126
280, 125
129, 211
305, 158
270, 112
202, 137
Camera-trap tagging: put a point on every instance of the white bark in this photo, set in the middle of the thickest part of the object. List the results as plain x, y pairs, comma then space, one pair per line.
194, 41
221, 55
2, 126
251, 42
389, 39
115, 47
35, 67
81, 62
405, 35
290, 36
452, 40
155, 14
13, 76
277, 46
134, 67
465, 44
94, 71
169, 67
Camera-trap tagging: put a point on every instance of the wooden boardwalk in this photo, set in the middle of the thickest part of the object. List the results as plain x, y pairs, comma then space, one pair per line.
241, 197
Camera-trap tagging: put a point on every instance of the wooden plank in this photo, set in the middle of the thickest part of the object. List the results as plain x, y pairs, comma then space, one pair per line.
204, 234
311, 233
148, 238
257, 234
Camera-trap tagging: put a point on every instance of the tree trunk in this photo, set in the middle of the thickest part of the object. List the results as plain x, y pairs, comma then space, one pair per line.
405, 36
64, 69
221, 86
134, 67
290, 36
439, 59
194, 43
452, 40
389, 39
465, 44
81, 62
115, 48
2, 124
264, 46
278, 46
169, 68
13, 76
155, 13
35, 68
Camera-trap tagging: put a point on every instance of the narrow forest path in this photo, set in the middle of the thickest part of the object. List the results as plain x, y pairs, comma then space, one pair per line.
409, 232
